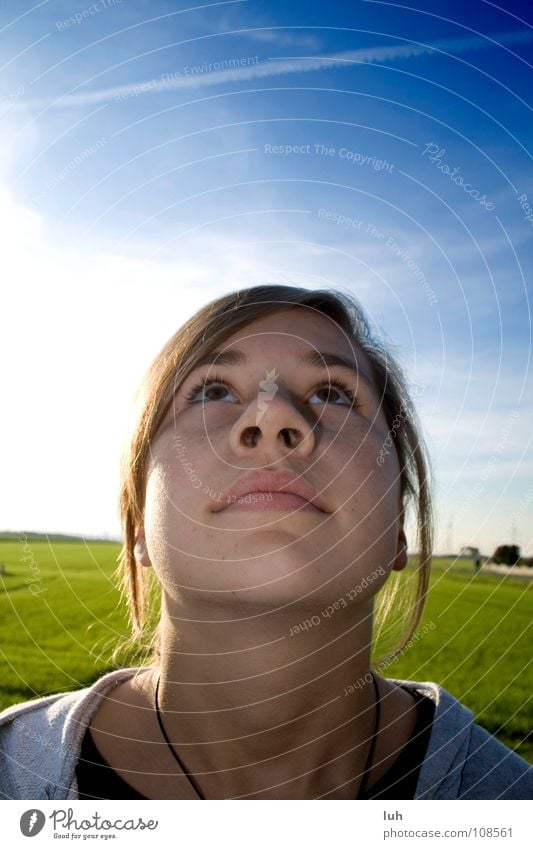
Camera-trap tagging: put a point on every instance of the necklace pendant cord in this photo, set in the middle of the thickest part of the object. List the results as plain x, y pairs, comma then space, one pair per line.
194, 784
181, 765
370, 756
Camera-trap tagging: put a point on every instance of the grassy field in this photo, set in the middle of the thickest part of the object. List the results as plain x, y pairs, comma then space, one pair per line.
59, 619
480, 649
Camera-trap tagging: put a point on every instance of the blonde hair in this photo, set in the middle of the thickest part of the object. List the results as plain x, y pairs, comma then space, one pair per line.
400, 601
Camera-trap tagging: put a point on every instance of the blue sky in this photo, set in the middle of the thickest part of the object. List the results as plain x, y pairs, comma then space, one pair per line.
156, 155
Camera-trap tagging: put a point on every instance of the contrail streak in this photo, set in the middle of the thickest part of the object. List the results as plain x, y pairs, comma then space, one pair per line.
277, 67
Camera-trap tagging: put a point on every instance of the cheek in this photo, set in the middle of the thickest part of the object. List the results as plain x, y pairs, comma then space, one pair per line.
360, 444
177, 468
169, 502
198, 427
156, 508
369, 479
170, 533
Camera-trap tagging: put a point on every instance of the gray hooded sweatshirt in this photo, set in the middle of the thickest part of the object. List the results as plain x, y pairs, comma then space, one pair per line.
40, 742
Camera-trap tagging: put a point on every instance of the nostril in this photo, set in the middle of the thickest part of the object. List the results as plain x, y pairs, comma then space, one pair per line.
249, 435
292, 435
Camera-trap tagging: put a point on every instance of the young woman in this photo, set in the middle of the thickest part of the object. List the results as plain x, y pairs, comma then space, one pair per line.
265, 487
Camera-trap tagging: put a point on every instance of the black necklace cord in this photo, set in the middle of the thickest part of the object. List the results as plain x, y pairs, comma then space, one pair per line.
194, 784
370, 757
188, 775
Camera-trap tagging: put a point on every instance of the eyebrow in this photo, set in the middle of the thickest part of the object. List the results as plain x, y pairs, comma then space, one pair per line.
313, 358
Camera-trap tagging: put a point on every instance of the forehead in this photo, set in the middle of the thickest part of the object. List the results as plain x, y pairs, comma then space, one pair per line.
295, 331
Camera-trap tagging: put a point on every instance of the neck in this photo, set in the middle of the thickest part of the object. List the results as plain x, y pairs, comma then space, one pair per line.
265, 708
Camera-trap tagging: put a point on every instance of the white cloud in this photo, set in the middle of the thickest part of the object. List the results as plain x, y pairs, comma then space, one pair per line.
79, 330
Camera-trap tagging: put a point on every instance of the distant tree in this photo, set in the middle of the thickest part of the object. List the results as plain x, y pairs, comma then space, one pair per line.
500, 553
469, 551
507, 554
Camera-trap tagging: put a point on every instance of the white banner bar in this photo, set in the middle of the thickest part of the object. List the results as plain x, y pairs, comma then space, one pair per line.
269, 824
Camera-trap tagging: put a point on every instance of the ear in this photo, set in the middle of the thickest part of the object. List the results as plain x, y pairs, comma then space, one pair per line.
141, 551
400, 561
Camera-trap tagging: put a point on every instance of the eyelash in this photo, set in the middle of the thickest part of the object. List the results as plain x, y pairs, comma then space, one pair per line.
208, 381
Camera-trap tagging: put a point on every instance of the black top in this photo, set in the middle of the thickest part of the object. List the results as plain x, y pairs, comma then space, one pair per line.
97, 780
399, 782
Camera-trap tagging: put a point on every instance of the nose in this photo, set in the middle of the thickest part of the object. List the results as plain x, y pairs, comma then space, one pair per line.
274, 425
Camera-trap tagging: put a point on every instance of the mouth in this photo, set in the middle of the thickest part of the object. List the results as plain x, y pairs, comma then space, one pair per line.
268, 489
272, 501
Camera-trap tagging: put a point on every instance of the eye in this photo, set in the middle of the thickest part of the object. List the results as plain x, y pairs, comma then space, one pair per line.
217, 387
337, 385
204, 385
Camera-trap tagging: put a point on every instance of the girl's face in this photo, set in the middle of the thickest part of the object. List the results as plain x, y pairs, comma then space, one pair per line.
204, 550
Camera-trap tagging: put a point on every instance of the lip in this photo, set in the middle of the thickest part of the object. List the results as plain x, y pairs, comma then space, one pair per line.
267, 501
288, 492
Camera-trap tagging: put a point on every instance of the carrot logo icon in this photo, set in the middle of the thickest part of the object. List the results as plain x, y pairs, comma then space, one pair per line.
269, 389
32, 822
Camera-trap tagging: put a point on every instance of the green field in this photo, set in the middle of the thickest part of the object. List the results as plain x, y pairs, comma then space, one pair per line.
59, 638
